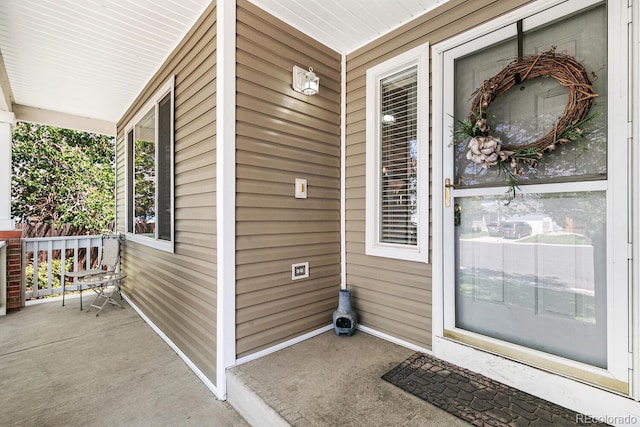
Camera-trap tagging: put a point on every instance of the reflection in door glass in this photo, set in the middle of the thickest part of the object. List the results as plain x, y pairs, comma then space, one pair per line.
533, 272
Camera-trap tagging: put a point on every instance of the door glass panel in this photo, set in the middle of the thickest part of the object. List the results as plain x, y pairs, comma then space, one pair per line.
533, 272
530, 110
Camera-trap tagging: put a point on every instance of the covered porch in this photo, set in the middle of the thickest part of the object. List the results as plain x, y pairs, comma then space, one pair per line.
237, 138
63, 366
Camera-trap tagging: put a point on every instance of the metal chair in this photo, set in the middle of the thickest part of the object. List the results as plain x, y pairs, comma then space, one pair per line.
104, 285
104, 280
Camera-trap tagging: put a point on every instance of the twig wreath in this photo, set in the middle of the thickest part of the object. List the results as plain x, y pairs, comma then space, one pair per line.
487, 150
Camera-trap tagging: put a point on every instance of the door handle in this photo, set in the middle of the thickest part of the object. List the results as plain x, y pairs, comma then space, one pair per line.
447, 192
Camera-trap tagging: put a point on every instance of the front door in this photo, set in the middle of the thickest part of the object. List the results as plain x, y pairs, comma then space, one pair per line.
535, 249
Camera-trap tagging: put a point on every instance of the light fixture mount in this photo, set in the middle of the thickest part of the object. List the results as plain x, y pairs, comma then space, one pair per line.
305, 81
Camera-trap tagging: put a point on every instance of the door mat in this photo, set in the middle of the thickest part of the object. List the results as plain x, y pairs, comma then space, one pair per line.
477, 399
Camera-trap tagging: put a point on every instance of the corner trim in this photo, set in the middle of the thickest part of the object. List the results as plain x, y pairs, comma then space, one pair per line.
225, 191
343, 173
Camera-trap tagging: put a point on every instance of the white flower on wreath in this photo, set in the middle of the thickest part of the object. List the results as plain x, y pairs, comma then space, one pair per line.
486, 151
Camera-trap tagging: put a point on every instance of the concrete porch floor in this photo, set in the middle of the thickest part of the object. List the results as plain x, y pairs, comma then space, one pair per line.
330, 380
63, 367
60, 366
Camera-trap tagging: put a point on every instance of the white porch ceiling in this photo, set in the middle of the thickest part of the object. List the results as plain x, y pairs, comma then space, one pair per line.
345, 25
90, 58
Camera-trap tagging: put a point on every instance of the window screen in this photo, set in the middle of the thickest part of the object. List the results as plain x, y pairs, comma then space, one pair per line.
164, 190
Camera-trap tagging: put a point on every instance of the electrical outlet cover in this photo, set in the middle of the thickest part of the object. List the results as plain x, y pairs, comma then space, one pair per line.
299, 270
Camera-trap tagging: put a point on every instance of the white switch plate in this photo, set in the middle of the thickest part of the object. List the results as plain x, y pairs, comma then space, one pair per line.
299, 270
301, 188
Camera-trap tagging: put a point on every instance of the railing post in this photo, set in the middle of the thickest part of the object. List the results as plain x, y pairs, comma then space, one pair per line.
63, 263
35, 288
49, 267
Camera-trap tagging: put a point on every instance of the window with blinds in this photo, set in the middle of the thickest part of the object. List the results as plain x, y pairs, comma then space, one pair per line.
398, 157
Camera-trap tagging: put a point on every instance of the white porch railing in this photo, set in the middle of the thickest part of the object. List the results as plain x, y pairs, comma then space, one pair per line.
39, 250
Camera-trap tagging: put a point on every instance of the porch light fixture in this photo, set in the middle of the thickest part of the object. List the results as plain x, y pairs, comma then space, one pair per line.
305, 81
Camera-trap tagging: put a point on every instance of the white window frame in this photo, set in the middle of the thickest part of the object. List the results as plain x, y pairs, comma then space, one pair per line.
418, 56
153, 102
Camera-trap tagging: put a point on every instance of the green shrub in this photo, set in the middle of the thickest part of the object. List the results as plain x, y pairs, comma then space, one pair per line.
42, 273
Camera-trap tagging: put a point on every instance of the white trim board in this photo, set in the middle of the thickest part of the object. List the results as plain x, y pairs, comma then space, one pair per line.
283, 345
364, 329
225, 191
374, 246
635, 196
26, 113
343, 173
393, 340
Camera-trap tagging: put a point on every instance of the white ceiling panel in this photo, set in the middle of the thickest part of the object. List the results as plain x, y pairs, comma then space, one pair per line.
345, 25
91, 58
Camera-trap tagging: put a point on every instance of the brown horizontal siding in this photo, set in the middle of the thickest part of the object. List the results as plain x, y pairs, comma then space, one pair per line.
309, 319
281, 135
277, 319
394, 296
269, 34
292, 214
199, 134
206, 176
195, 156
286, 128
163, 288
254, 150
177, 291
